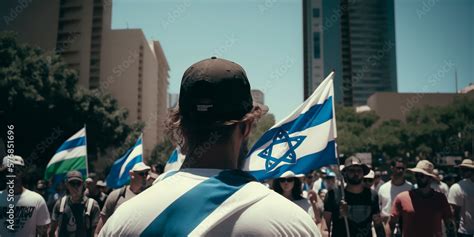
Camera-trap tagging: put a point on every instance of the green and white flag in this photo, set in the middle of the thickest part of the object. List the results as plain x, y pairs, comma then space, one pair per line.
71, 155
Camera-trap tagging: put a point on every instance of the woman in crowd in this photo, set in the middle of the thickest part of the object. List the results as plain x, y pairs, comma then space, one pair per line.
292, 188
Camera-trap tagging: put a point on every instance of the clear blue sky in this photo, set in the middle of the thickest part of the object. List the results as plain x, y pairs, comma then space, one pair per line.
265, 37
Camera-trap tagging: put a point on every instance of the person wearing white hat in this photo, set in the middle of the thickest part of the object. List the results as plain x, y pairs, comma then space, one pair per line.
30, 215
461, 198
360, 207
423, 209
368, 180
138, 182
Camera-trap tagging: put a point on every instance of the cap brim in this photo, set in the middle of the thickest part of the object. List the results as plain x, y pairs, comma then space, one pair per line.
418, 170
466, 166
365, 168
74, 178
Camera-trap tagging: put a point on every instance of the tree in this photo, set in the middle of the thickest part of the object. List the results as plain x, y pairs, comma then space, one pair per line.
263, 125
40, 97
162, 152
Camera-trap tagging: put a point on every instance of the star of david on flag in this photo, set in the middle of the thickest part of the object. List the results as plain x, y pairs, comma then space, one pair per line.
300, 143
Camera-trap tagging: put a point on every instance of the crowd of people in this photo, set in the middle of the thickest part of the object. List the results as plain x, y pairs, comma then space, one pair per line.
211, 196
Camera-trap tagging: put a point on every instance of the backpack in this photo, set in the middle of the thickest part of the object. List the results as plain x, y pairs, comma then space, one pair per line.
87, 210
121, 194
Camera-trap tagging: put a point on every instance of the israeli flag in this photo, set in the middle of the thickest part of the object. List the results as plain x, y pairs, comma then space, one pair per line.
118, 175
303, 141
175, 161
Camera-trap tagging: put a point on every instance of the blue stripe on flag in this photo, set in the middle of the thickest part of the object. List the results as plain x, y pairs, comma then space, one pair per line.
316, 115
180, 220
80, 141
303, 165
174, 157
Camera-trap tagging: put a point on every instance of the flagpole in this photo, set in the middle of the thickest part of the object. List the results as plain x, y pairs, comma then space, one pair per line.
342, 186
87, 162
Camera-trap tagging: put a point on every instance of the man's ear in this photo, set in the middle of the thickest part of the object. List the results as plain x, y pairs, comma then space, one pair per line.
246, 128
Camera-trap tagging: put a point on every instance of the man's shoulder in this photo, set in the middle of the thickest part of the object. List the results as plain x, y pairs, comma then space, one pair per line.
275, 211
31, 197
403, 196
114, 194
385, 186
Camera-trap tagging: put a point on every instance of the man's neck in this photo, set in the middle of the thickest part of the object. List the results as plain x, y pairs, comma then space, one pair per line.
355, 188
426, 191
214, 158
398, 181
18, 189
76, 199
135, 188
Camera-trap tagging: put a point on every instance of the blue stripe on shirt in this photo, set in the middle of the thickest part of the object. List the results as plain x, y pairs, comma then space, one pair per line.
183, 215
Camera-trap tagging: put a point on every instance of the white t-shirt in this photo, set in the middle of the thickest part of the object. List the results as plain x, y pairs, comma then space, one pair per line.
440, 187
30, 210
269, 216
462, 194
387, 193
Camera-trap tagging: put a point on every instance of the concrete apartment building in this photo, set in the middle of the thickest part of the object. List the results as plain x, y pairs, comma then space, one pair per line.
71, 28
135, 72
121, 62
354, 38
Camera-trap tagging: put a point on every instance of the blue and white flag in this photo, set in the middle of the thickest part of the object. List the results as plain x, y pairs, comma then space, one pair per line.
175, 161
303, 141
118, 175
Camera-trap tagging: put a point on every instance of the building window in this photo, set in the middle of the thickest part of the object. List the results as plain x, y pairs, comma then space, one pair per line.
317, 44
316, 12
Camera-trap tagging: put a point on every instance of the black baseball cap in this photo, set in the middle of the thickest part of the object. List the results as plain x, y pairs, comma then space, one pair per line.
215, 90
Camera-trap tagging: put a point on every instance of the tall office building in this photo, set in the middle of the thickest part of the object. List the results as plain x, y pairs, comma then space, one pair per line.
321, 45
71, 28
357, 40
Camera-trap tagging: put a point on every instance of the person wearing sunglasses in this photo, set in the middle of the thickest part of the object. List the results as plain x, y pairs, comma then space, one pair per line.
422, 210
360, 207
291, 189
74, 214
138, 183
389, 190
30, 213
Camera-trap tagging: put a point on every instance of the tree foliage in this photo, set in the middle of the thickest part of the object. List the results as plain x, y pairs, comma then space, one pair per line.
40, 97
